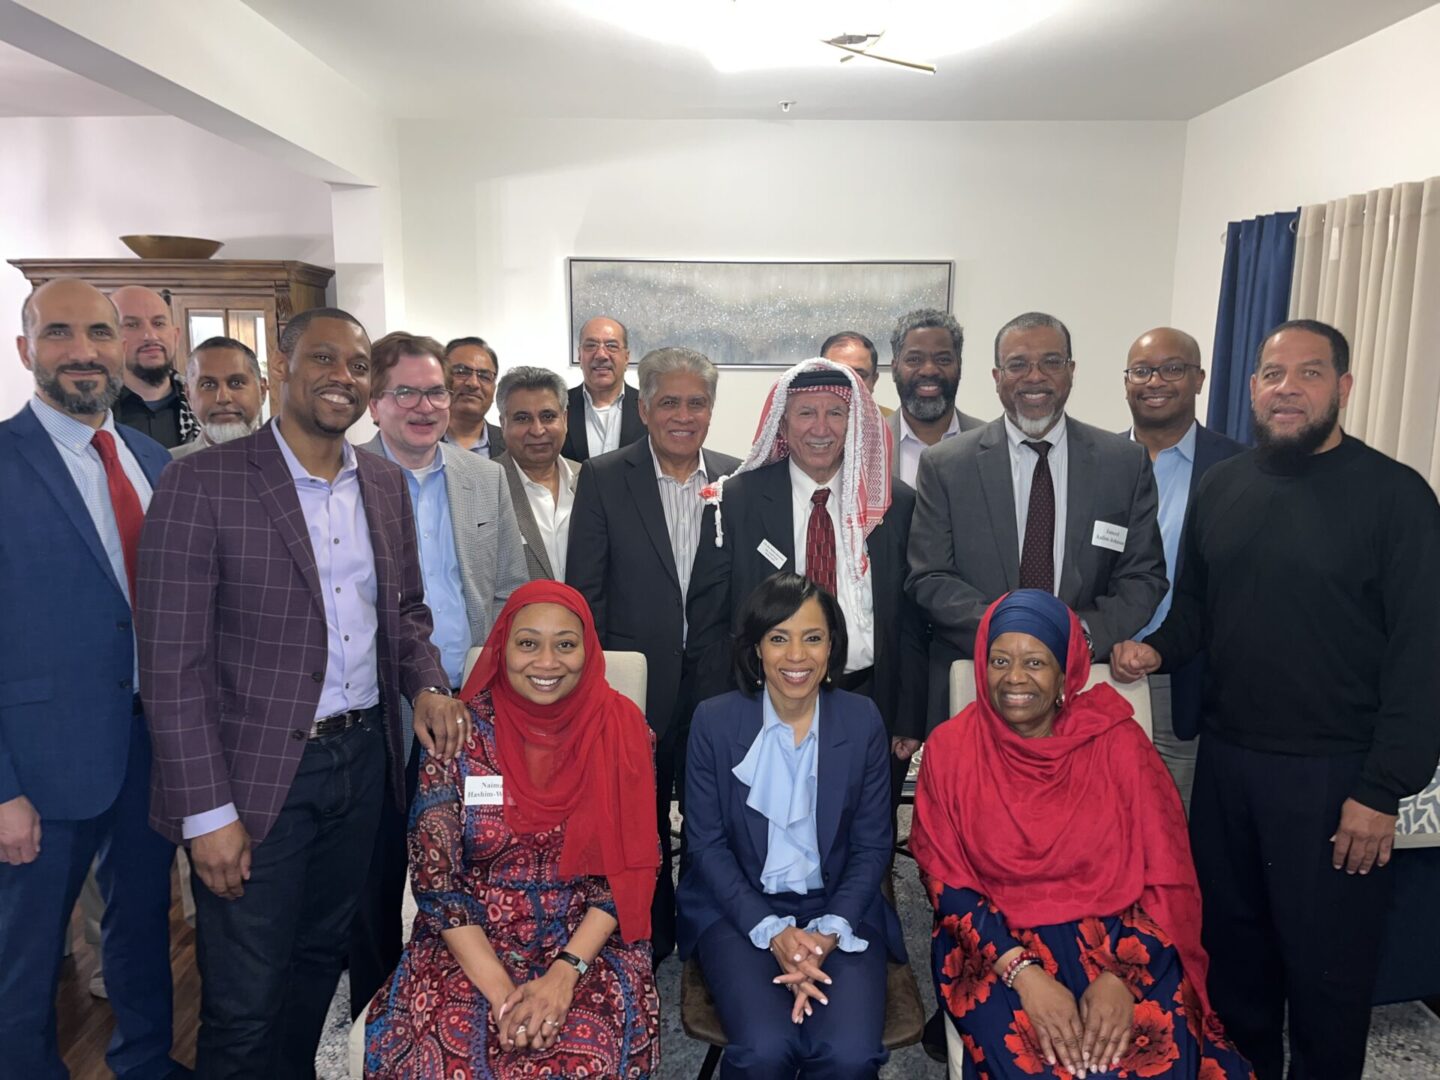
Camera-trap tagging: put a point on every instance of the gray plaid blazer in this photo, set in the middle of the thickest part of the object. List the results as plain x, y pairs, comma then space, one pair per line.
231, 628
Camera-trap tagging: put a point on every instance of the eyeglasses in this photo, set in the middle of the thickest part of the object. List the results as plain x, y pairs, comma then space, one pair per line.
589, 345
407, 397
1170, 371
1049, 365
461, 373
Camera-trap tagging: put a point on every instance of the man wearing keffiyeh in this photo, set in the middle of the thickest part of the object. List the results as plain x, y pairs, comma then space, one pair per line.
816, 496
153, 400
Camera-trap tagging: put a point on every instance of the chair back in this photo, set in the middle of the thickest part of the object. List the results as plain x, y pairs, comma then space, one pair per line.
962, 690
624, 671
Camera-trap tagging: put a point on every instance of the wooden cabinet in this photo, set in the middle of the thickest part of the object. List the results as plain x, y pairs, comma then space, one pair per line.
249, 300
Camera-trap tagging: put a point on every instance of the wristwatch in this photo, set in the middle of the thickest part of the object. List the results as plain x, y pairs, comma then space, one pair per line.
574, 961
443, 691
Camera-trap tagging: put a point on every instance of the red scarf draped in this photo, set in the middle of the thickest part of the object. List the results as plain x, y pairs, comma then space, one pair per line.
584, 760
1085, 822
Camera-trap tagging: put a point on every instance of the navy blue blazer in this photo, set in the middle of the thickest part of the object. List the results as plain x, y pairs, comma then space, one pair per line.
726, 840
1187, 683
67, 649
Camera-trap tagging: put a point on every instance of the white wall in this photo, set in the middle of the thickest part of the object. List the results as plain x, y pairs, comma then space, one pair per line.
1077, 219
1366, 116
73, 186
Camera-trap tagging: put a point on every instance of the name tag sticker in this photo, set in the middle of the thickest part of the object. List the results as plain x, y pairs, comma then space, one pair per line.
1109, 536
484, 790
773, 554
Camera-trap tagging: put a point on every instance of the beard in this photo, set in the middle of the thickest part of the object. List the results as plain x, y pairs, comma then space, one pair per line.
86, 401
928, 408
229, 431
1037, 427
1292, 451
152, 376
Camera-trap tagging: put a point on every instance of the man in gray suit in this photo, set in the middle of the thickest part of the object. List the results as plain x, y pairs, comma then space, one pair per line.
471, 559
534, 422
1034, 499
925, 352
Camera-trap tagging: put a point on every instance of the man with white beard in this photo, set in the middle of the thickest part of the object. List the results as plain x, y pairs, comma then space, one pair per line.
1033, 500
226, 390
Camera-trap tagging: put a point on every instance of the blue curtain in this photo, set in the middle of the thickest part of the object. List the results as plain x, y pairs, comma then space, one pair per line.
1254, 297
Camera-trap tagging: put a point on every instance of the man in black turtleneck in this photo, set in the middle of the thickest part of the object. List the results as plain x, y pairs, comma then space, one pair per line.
1311, 578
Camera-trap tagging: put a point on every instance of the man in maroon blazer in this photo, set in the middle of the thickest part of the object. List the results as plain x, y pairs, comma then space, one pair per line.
281, 617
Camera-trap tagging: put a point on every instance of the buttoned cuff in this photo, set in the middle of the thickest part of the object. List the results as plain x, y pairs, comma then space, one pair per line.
766, 929
208, 822
846, 941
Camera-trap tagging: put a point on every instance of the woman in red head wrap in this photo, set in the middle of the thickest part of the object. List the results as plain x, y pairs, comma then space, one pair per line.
533, 859
1053, 845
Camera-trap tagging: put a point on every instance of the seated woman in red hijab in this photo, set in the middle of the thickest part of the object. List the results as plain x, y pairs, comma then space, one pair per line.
532, 857
1053, 844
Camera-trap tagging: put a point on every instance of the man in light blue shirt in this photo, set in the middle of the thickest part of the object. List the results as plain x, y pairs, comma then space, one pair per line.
471, 559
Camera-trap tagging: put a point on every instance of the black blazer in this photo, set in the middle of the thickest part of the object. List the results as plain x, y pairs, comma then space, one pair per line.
577, 439
496, 441
619, 558
757, 507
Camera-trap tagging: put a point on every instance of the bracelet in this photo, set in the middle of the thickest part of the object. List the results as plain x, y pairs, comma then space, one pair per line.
1012, 969
443, 691
574, 961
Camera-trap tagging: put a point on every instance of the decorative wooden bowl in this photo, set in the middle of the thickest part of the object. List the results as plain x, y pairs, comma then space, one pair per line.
171, 247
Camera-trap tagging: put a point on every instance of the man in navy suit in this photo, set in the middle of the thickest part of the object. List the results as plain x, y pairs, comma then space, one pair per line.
74, 752
1163, 376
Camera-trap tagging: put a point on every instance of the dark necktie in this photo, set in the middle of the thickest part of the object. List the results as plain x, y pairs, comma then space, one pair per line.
820, 543
129, 515
1037, 554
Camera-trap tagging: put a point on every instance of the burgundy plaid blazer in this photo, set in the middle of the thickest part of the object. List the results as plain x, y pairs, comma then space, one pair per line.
231, 628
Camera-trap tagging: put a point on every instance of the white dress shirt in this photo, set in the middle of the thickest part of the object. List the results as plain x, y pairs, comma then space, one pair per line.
857, 598
552, 515
1022, 471
602, 422
911, 445
684, 510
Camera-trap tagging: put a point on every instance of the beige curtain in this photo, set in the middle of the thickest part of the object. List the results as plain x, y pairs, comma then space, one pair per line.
1370, 265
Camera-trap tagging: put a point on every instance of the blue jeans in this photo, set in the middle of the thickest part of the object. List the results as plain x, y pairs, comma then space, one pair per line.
269, 961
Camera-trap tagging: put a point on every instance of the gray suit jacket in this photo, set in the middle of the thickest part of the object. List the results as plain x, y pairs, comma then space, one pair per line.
537, 562
488, 544
965, 551
967, 423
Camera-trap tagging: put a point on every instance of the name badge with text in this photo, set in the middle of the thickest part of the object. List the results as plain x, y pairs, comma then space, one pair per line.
1109, 536
484, 790
774, 555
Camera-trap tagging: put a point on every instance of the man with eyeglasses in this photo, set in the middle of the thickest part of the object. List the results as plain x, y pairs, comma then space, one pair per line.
604, 416
1162, 378
471, 368
1034, 499
471, 559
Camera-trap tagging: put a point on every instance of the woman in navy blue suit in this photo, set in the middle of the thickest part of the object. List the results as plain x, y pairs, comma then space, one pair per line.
787, 824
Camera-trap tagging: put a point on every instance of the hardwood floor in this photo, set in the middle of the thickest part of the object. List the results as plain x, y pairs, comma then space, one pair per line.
84, 1023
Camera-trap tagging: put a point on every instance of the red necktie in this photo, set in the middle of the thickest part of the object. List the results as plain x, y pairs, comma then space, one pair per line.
820, 543
129, 515
1037, 555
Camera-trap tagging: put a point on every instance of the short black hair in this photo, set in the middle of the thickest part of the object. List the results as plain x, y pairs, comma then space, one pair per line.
1339, 347
1034, 320
856, 336
772, 602
297, 325
479, 343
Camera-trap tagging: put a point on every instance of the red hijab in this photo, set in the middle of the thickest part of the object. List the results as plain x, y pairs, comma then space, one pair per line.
584, 759
1085, 822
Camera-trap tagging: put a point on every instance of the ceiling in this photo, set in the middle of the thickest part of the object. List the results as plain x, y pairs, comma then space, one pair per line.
30, 86
1089, 60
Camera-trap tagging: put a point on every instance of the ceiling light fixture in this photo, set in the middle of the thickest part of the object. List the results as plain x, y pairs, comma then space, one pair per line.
757, 35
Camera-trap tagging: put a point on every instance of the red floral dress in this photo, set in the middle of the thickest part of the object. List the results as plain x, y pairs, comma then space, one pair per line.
1168, 1039
468, 868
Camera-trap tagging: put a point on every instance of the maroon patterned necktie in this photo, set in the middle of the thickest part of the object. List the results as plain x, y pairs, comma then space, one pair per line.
124, 503
1037, 555
820, 543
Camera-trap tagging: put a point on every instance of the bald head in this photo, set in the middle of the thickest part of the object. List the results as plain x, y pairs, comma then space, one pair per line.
1163, 376
151, 338
71, 344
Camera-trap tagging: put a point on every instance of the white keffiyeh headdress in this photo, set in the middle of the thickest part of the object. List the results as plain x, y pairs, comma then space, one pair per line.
864, 470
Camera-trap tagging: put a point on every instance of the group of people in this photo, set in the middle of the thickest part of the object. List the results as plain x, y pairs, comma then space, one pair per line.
278, 636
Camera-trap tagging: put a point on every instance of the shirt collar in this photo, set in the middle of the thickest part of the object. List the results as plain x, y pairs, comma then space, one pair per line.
1016, 437
566, 477
75, 435
591, 401
299, 472
907, 433
1185, 447
803, 485
770, 719
437, 463
660, 473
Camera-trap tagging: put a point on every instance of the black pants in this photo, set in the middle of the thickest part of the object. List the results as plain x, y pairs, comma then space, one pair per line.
377, 933
270, 960
1282, 926
669, 783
